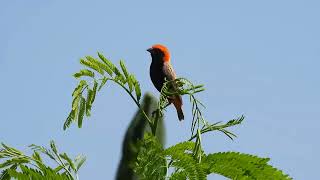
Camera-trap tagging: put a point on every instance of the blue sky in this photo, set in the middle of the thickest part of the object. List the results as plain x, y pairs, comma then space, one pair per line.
257, 58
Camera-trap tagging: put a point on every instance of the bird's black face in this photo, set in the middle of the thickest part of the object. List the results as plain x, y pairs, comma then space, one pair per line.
155, 53
150, 50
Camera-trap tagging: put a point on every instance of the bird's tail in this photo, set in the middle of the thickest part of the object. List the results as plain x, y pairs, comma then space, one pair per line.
177, 102
180, 114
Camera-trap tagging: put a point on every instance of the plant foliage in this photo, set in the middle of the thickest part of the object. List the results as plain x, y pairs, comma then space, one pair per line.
15, 164
100, 71
144, 155
186, 160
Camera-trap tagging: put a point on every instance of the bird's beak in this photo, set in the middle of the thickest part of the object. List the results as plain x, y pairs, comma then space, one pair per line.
149, 50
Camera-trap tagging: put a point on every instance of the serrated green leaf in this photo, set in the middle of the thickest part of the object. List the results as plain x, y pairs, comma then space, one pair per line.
84, 72
81, 111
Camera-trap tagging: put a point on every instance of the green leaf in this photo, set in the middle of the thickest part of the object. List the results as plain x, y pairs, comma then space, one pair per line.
5, 175
13, 161
11, 149
81, 111
124, 69
89, 102
84, 72
184, 147
181, 156
36, 156
94, 89
150, 163
241, 166
107, 62
119, 77
99, 64
79, 161
136, 86
66, 157
178, 175
91, 65
130, 83
53, 147
127, 76
58, 168
188, 164
32, 167
75, 103
69, 120
137, 90
103, 82
77, 91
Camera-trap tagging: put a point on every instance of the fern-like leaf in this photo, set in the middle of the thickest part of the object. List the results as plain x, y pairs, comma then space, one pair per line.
182, 159
102, 67
241, 166
151, 163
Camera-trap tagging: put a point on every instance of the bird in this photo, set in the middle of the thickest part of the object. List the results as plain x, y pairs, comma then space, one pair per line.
162, 70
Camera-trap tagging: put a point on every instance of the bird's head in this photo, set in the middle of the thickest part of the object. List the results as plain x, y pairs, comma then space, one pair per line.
159, 53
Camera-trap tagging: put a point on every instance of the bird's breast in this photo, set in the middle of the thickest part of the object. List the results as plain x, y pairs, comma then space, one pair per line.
157, 75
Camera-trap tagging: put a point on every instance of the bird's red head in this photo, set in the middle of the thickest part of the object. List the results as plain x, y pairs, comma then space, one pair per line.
160, 51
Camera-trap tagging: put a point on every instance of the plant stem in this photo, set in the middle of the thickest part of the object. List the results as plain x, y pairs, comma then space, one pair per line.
152, 125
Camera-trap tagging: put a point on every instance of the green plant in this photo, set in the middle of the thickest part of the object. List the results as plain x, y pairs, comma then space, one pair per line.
186, 160
16, 164
143, 155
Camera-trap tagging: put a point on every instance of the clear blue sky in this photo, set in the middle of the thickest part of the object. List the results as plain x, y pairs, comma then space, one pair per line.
257, 58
